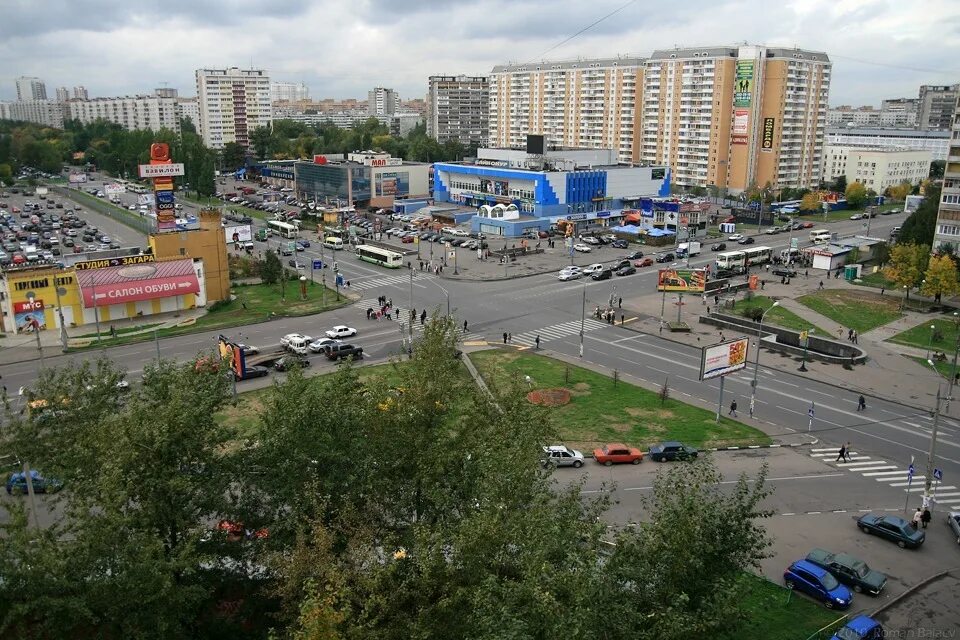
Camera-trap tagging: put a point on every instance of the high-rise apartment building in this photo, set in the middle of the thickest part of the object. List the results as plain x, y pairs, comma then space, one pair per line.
736, 117
187, 108
937, 104
49, 113
457, 109
232, 103
289, 92
585, 103
948, 215
63, 94
131, 112
382, 102
29, 88
898, 112
80, 93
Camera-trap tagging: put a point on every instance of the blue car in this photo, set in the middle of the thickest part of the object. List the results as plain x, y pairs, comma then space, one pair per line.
17, 483
860, 628
817, 583
305, 244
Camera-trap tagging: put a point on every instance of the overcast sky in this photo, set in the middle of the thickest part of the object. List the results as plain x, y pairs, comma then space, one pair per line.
879, 48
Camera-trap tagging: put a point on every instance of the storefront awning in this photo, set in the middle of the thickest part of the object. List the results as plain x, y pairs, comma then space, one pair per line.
133, 283
632, 217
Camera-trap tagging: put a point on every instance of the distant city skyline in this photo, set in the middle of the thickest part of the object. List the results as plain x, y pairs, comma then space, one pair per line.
879, 51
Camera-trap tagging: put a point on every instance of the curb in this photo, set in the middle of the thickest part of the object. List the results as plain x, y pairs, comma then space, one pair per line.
765, 446
911, 590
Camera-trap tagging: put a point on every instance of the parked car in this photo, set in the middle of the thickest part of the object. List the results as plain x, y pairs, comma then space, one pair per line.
953, 521
606, 274
784, 271
646, 262
341, 351
893, 528
582, 248
561, 456
857, 216
17, 483
253, 372
288, 362
746, 240
617, 453
860, 628
736, 237
817, 583
619, 244
672, 450
590, 239
628, 270
849, 570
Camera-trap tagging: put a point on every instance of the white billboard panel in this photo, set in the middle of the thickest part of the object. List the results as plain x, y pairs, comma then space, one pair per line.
238, 233
77, 178
721, 359
113, 188
161, 170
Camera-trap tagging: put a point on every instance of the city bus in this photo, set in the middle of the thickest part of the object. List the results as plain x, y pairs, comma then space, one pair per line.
283, 229
758, 255
820, 236
383, 257
731, 261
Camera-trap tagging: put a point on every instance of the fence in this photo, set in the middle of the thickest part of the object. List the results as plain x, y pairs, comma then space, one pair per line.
142, 224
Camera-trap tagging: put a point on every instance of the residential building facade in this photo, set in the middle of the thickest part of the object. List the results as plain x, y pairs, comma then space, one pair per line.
190, 109
458, 109
947, 231
382, 102
584, 103
288, 92
29, 88
233, 103
876, 168
937, 104
80, 93
49, 113
736, 117
131, 112
936, 142
63, 94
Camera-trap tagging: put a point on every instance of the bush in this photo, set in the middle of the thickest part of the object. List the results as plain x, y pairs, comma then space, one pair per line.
754, 313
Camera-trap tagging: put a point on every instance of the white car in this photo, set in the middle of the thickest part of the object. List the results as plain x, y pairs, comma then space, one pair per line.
131, 207
582, 248
248, 349
594, 268
568, 275
857, 216
341, 331
589, 239
285, 340
460, 232
320, 344
736, 237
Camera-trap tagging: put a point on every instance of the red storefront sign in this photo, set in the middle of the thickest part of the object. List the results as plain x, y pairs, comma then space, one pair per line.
118, 285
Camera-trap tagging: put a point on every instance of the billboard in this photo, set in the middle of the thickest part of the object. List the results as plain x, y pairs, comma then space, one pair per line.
238, 233
28, 316
768, 129
741, 126
721, 359
77, 178
232, 354
113, 188
743, 83
689, 280
124, 261
161, 170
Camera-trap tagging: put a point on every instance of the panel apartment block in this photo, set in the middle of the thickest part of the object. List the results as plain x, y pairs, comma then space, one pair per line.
232, 103
457, 109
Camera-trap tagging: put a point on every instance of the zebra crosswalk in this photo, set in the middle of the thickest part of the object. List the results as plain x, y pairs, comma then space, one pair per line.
946, 496
556, 332
384, 281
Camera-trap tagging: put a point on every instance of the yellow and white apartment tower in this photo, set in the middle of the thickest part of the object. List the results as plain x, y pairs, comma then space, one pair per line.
947, 231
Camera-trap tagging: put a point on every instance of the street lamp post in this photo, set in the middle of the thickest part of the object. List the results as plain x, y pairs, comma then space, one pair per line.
583, 316
933, 328
806, 342
756, 360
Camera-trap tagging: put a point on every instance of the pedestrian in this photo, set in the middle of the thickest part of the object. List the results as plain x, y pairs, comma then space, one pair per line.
842, 455
464, 326
510, 338
850, 335
708, 310
390, 302
721, 336
752, 407
348, 284
861, 403
821, 285
856, 337
537, 340
4, 389
623, 319
917, 518
716, 300
504, 337
620, 303
369, 312
733, 409
423, 316
806, 273
763, 283
925, 517
113, 331
839, 332
882, 289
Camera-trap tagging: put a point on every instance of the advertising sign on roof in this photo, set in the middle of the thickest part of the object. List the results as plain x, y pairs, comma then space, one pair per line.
161, 170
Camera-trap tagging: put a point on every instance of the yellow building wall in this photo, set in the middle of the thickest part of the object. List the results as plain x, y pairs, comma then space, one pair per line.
41, 283
718, 172
207, 243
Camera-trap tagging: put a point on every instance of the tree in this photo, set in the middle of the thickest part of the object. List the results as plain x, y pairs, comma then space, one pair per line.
810, 202
936, 169
839, 184
907, 263
900, 191
271, 268
856, 195
234, 156
853, 257
919, 227
261, 140
940, 278
881, 253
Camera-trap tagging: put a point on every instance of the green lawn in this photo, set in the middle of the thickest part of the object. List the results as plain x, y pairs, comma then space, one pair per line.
780, 317
120, 330
858, 310
601, 411
944, 335
774, 613
878, 281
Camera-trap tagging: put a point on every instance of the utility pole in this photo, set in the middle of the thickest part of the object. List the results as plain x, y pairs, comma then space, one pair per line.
583, 316
928, 481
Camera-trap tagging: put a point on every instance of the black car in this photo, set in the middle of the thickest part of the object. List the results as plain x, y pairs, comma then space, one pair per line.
893, 528
636, 255
666, 257
627, 270
849, 570
672, 451
718, 246
289, 361
605, 274
784, 271
623, 264
341, 351
252, 372
746, 240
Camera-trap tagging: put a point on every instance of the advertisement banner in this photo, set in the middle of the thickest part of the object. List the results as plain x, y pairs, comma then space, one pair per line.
238, 233
768, 129
124, 261
166, 220
721, 359
689, 280
232, 355
113, 189
741, 126
161, 170
743, 83
77, 178
136, 291
164, 197
29, 316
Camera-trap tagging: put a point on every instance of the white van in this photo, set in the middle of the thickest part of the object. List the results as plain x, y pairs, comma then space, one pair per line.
820, 236
299, 345
332, 242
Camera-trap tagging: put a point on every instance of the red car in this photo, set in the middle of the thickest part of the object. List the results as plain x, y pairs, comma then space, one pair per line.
646, 262
407, 239
807, 225
617, 453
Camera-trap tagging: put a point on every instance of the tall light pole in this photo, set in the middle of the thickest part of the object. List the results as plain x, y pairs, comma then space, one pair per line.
756, 360
583, 315
933, 328
805, 336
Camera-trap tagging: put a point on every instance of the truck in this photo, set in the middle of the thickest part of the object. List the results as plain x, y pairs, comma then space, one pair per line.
685, 248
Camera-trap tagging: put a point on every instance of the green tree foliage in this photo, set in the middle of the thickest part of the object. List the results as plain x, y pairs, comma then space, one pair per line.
810, 202
936, 169
839, 184
940, 278
271, 268
856, 195
908, 262
900, 191
233, 155
881, 253
919, 227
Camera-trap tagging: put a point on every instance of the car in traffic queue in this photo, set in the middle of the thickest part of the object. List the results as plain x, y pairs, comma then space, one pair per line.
672, 450
817, 583
617, 453
341, 331
606, 274
665, 257
892, 528
17, 483
628, 270
341, 351
735, 237
285, 340
561, 456
593, 268
746, 240
320, 344
290, 361
953, 521
849, 570
563, 276
643, 262
860, 628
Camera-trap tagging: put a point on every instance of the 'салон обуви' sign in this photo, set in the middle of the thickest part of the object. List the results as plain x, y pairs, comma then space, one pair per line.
113, 262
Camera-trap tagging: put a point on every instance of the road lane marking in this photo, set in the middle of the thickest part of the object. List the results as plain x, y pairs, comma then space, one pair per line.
886, 473
879, 468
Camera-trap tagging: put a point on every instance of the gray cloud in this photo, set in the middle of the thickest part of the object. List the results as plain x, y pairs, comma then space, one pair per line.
342, 49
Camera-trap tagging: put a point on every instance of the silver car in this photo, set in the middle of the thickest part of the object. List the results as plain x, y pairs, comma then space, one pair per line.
953, 519
561, 456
